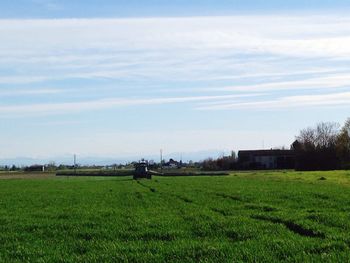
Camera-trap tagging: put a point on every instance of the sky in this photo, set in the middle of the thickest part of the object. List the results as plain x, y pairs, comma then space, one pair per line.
127, 78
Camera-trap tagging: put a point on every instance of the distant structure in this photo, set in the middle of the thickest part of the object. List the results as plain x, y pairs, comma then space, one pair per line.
172, 164
266, 159
35, 168
141, 170
161, 159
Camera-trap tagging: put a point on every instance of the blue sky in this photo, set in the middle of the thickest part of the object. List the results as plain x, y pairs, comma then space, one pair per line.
126, 78
141, 8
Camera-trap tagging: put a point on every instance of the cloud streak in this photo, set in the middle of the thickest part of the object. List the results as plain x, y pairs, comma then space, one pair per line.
328, 82
98, 81
289, 102
235, 55
26, 92
59, 108
287, 35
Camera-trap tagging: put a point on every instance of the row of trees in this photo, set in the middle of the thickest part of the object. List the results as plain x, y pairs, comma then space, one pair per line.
221, 164
323, 147
326, 146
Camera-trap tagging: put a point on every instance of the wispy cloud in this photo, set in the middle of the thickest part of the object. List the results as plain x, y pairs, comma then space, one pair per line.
327, 82
238, 54
211, 64
59, 108
288, 35
297, 102
25, 92
48, 4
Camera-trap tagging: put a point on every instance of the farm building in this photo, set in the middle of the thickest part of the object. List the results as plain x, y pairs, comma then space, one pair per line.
172, 164
35, 168
266, 159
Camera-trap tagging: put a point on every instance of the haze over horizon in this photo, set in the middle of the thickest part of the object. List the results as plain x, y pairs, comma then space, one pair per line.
127, 78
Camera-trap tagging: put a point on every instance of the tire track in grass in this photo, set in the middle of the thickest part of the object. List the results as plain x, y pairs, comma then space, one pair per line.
185, 199
294, 227
181, 205
231, 234
222, 212
232, 197
247, 204
153, 190
261, 207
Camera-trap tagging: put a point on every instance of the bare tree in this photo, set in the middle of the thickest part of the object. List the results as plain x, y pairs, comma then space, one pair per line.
322, 136
307, 138
343, 145
346, 127
326, 134
316, 147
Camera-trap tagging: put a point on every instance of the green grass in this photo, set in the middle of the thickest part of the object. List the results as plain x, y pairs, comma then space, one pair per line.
247, 217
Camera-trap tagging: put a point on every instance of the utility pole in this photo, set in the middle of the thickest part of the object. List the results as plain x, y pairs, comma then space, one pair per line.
161, 160
75, 164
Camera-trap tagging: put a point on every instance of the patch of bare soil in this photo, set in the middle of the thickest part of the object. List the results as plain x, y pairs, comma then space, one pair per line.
8, 176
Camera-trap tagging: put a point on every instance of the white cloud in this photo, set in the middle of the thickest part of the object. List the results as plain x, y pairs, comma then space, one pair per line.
238, 57
22, 79
181, 48
327, 82
69, 107
24, 92
177, 49
287, 35
297, 102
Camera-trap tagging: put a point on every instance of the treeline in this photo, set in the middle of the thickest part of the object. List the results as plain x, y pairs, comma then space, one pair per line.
223, 163
323, 147
326, 146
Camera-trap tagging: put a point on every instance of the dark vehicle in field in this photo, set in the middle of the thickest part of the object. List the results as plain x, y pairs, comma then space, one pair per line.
141, 170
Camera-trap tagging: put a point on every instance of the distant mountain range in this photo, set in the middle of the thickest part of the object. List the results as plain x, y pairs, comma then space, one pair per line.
91, 160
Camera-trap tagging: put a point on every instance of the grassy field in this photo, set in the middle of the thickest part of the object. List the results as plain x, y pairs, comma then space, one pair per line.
247, 216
